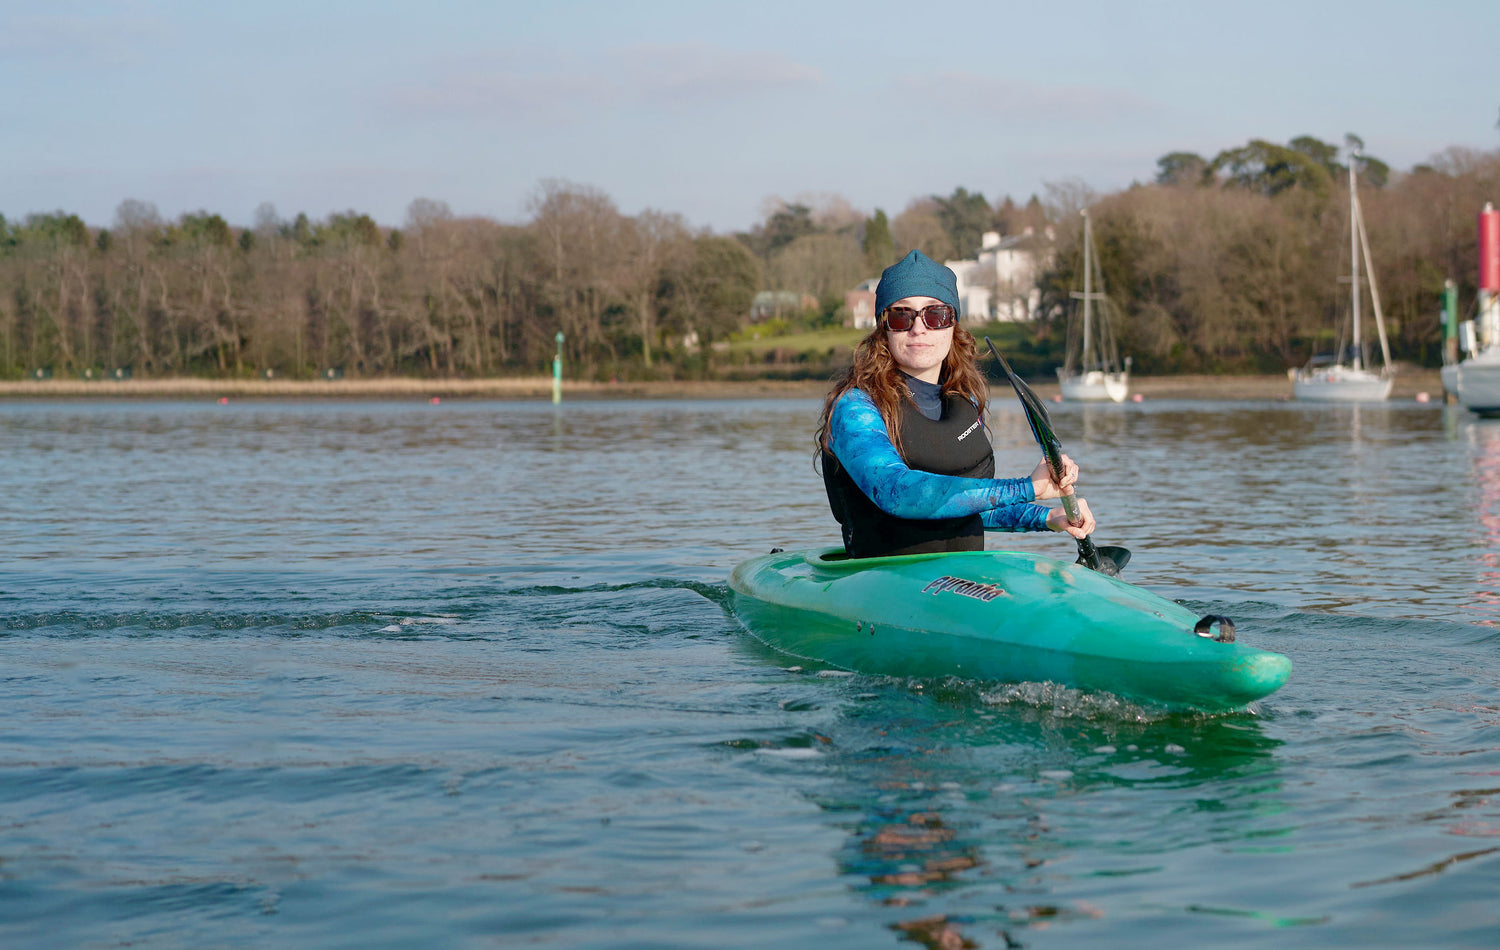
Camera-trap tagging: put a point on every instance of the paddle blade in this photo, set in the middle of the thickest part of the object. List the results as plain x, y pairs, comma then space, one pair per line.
1112, 559
1109, 560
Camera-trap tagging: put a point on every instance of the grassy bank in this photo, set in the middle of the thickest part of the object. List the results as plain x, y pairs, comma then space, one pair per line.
817, 341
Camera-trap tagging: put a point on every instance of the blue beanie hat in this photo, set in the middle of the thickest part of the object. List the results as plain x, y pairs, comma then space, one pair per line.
916, 275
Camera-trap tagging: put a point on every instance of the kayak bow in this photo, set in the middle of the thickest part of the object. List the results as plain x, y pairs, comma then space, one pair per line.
1000, 616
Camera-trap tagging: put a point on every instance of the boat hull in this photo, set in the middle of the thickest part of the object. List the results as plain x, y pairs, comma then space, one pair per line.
1094, 386
1477, 383
997, 616
1340, 384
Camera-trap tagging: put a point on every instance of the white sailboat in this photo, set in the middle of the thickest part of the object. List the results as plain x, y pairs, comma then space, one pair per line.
1334, 379
1476, 381
1476, 378
1097, 376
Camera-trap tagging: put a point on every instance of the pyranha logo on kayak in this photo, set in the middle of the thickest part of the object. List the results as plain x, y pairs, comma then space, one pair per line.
963, 588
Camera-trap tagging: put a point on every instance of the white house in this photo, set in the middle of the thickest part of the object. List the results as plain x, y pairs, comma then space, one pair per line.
973, 295
1002, 283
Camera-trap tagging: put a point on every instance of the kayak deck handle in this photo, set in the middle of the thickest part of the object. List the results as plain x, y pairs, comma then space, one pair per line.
1205, 624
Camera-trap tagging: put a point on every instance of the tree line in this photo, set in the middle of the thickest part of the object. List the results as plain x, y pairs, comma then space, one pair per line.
1241, 261
440, 296
1222, 263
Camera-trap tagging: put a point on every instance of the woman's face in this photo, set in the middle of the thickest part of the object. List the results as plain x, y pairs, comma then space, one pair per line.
919, 351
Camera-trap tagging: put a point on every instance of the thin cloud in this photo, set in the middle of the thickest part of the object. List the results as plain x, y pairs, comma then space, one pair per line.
568, 89
699, 72
73, 36
556, 95
972, 94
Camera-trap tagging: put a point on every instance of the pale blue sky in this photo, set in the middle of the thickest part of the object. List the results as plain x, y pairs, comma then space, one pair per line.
701, 108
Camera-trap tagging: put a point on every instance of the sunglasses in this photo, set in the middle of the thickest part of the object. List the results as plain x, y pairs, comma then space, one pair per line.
938, 316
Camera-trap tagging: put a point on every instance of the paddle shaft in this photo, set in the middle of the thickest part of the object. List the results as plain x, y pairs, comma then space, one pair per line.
1053, 453
1088, 554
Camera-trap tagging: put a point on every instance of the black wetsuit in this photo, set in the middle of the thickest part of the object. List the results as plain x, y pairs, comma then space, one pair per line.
938, 494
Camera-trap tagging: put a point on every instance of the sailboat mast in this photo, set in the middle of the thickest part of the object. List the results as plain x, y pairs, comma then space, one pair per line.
1354, 259
1364, 243
1088, 289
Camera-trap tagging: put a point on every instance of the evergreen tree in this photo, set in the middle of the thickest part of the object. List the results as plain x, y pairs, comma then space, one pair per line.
878, 245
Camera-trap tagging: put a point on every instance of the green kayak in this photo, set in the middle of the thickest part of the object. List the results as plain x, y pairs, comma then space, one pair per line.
998, 615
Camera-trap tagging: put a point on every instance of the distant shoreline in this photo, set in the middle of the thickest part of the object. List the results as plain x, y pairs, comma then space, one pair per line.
1409, 383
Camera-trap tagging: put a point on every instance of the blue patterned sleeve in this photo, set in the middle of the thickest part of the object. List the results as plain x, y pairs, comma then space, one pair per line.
1024, 517
858, 439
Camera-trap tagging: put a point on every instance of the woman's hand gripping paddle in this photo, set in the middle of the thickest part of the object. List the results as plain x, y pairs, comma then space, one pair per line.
1105, 560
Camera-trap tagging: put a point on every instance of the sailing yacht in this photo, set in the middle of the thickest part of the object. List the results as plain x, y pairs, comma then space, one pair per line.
1336, 379
1096, 376
1476, 378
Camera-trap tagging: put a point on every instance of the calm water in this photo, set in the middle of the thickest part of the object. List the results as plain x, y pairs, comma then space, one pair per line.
400, 675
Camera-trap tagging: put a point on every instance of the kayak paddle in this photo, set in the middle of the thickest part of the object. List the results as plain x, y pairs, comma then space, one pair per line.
1106, 560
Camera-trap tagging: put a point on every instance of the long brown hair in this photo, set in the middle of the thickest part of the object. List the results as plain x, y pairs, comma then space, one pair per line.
874, 372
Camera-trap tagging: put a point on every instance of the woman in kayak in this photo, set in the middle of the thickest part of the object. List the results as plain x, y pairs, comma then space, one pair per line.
907, 462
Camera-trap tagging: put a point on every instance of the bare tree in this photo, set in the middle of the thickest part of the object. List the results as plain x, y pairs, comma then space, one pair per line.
580, 238
822, 265
919, 228
653, 242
